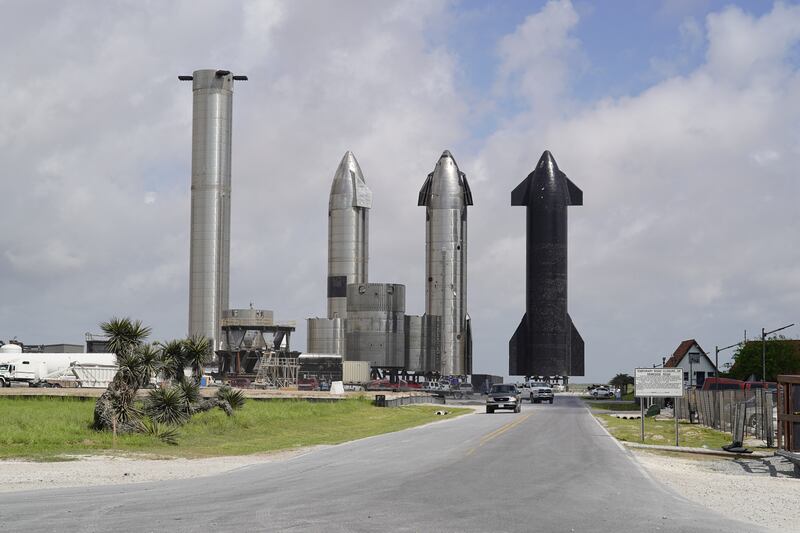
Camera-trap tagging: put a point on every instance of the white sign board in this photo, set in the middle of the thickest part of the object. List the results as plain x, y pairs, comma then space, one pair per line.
658, 382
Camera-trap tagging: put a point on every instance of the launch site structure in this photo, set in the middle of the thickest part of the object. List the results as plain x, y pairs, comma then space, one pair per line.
210, 230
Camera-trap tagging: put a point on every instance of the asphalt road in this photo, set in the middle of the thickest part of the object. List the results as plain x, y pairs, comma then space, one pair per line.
549, 468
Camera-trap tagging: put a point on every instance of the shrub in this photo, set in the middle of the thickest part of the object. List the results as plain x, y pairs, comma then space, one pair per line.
234, 397
167, 434
167, 406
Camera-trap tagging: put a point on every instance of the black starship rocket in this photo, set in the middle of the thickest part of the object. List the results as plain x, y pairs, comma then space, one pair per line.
546, 342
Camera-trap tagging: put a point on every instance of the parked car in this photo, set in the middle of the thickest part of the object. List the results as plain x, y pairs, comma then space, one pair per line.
307, 384
387, 385
504, 396
715, 383
601, 392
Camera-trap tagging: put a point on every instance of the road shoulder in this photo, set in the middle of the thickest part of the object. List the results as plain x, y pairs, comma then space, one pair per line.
761, 491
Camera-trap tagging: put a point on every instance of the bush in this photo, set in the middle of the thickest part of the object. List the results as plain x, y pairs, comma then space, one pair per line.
167, 406
234, 397
166, 434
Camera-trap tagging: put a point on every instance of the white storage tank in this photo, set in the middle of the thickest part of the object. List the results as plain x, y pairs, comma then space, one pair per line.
10, 348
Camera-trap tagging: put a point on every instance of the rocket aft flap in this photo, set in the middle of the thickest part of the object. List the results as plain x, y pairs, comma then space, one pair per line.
546, 342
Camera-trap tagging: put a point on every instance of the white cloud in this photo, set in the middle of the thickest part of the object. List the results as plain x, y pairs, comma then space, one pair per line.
535, 59
677, 221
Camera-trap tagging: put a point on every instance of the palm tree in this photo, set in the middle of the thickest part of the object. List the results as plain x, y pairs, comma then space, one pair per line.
115, 409
149, 356
198, 350
622, 381
173, 359
124, 334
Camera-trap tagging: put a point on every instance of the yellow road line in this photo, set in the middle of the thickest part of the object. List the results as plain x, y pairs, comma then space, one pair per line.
497, 432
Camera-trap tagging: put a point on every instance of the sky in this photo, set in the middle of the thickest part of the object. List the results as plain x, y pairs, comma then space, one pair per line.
679, 119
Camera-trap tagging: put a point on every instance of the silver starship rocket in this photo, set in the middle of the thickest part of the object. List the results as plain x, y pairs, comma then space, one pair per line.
446, 195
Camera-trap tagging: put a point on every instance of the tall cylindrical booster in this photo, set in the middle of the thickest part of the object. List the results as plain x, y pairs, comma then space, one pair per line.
348, 233
209, 255
446, 195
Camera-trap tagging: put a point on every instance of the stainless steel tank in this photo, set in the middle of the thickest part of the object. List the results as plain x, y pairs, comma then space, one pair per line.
209, 255
423, 343
446, 195
325, 335
348, 233
375, 325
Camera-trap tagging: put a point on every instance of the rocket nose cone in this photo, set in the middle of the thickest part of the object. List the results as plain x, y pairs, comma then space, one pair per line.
547, 163
446, 187
349, 187
446, 167
349, 164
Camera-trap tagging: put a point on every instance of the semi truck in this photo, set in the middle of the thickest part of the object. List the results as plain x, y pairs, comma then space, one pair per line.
43, 369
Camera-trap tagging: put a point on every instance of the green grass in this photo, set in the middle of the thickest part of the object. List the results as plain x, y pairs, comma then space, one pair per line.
663, 432
613, 406
48, 429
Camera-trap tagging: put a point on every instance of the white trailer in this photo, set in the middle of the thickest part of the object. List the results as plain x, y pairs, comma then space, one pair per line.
355, 373
37, 368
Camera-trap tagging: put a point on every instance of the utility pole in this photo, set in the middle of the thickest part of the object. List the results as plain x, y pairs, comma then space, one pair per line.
764, 349
717, 349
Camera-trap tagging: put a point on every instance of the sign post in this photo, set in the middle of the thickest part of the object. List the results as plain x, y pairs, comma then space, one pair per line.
659, 383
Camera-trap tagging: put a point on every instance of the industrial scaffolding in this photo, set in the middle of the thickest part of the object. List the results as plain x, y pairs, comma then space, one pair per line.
276, 372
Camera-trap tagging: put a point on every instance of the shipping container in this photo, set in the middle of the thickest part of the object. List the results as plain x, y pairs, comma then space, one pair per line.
356, 372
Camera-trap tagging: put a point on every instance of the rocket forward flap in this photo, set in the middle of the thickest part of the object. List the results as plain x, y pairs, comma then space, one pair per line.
518, 349
519, 196
425, 191
575, 194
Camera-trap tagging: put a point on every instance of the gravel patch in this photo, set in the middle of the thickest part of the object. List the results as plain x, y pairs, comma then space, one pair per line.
92, 470
762, 491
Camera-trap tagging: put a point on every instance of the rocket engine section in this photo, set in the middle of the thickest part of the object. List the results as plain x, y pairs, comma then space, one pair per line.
546, 342
209, 255
423, 343
375, 325
446, 195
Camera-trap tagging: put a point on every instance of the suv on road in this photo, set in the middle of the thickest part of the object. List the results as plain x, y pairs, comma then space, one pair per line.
537, 392
505, 396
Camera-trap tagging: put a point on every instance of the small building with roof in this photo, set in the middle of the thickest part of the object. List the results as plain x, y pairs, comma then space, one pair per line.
694, 362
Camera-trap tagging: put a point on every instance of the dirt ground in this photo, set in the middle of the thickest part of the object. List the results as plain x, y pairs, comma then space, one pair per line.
114, 470
761, 491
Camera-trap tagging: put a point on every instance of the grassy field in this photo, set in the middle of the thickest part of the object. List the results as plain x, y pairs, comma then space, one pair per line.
663, 432
48, 429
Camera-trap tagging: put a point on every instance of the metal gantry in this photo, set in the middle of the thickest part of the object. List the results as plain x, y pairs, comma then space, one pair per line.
276, 372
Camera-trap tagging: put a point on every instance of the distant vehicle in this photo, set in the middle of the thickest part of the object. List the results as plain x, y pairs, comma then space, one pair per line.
754, 385
715, 383
505, 396
537, 392
308, 384
39, 370
387, 385
559, 388
601, 392
736, 384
